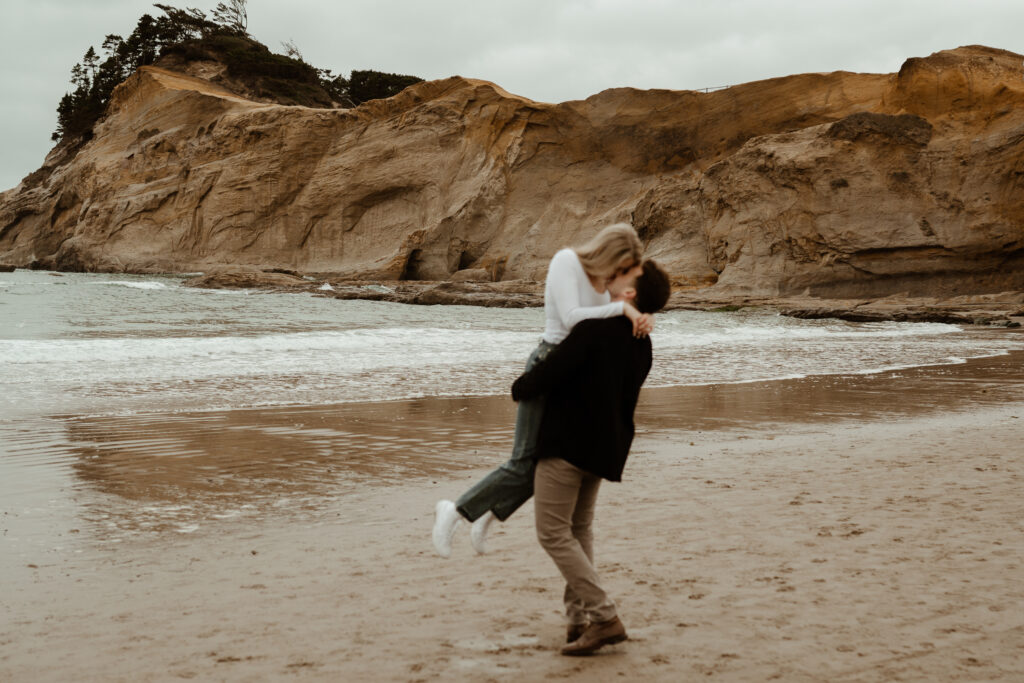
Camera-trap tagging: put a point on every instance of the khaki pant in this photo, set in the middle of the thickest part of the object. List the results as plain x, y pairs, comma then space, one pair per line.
564, 497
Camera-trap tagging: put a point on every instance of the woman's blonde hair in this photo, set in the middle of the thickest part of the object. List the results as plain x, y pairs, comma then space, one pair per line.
611, 249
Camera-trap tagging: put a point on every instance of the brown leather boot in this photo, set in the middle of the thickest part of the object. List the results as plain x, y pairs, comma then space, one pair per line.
574, 631
596, 636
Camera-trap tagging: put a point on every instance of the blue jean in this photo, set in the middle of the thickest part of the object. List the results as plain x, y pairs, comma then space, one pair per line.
510, 485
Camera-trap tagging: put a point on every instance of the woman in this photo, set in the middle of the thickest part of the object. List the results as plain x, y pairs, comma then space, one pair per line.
575, 290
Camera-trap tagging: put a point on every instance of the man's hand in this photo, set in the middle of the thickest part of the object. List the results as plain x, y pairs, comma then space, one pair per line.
643, 323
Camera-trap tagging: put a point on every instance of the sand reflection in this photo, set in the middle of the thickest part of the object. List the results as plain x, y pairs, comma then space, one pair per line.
882, 396
175, 472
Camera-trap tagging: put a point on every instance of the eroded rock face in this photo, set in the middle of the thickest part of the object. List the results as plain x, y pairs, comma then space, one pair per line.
923, 196
834, 184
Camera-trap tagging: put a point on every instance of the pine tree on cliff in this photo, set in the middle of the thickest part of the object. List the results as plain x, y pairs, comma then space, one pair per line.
94, 81
233, 15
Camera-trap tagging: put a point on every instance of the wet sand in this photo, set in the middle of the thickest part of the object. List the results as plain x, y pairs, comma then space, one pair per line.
832, 528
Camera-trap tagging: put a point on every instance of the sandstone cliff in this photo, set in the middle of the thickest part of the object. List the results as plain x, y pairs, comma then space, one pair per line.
834, 184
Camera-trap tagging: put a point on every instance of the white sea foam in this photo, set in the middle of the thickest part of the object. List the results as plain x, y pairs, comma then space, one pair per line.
833, 330
135, 285
399, 346
951, 360
363, 348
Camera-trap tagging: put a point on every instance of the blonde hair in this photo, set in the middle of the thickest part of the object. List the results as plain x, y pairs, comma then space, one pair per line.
609, 249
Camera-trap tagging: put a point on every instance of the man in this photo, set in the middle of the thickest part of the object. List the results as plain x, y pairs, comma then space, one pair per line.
591, 382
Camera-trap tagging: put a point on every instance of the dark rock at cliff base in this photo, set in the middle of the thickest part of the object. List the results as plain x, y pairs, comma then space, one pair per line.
509, 294
871, 316
489, 295
998, 309
249, 279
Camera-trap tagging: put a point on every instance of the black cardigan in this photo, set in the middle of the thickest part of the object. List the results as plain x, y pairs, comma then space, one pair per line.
591, 382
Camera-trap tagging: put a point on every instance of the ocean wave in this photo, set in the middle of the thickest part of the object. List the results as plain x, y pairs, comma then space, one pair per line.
420, 341
135, 285
874, 370
371, 342
747, 334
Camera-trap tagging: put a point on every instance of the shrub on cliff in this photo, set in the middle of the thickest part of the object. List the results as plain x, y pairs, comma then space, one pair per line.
191, 36
261, 72
375, 85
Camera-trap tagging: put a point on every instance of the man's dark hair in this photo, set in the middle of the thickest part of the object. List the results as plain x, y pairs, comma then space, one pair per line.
652, 288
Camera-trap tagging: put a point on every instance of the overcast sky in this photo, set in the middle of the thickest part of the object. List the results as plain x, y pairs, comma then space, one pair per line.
548, 50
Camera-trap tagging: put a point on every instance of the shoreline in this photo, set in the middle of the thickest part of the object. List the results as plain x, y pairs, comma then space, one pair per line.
839, 527
840, 377
994, 309
1002, 309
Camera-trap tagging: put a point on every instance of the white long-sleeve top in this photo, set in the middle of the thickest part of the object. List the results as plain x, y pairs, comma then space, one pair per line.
569, 297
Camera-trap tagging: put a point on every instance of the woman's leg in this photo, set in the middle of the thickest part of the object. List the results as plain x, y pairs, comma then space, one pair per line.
510, 485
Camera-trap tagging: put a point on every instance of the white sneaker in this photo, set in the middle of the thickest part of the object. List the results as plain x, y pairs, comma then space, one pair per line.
446, 520
478, 533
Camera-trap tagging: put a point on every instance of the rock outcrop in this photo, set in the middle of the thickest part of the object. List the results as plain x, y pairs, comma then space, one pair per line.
921, 195
1003, 309
507, 294
834, 184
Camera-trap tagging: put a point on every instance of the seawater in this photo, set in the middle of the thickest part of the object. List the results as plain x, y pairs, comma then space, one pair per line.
90, 344
117, 397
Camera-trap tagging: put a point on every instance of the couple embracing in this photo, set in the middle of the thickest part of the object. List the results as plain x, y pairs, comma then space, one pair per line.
574, 421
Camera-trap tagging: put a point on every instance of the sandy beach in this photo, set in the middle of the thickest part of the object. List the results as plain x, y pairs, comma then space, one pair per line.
852, 528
